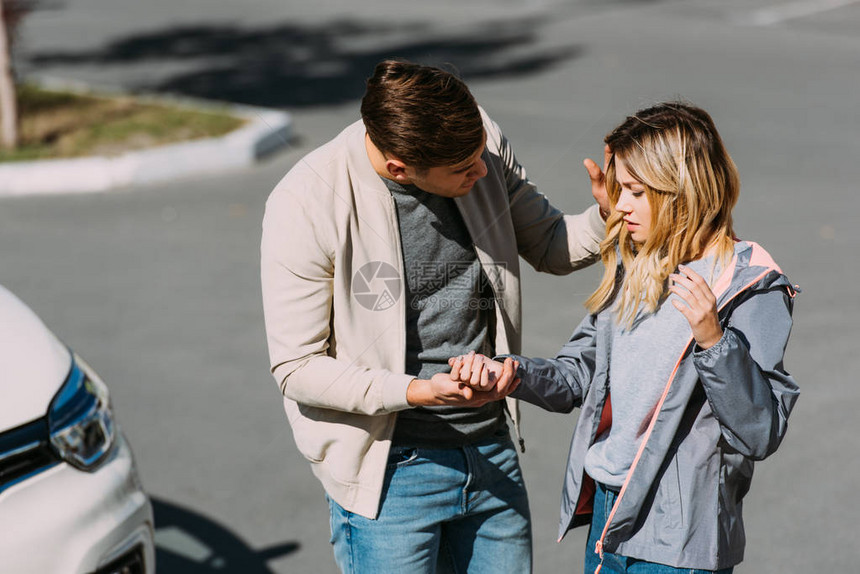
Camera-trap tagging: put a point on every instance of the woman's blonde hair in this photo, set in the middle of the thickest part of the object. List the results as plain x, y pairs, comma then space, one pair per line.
692, 185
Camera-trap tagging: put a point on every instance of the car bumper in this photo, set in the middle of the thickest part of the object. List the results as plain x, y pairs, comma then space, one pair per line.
64, 520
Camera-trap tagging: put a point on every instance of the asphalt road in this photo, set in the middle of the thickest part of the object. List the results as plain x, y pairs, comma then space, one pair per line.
158, 286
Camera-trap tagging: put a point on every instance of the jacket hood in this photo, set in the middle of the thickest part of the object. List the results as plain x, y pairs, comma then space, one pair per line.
750, 267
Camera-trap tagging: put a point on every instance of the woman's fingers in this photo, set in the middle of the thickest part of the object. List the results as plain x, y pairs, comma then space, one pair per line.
477, 371
685, 310
695, 283
456, 364
466, 367
484, 383
695, 308
684, 294
505, 384
462, 366
698, 305
689, 291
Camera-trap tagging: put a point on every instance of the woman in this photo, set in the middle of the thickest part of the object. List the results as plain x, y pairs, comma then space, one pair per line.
686, 333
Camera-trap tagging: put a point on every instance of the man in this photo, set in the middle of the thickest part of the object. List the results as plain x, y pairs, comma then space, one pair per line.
385, 252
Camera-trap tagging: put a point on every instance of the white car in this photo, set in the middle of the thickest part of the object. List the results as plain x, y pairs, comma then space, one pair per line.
70, 497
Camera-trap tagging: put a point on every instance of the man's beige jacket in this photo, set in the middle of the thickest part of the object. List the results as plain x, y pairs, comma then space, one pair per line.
333, 295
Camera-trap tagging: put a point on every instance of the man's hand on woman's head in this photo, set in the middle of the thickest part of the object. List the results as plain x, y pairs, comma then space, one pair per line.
598, 181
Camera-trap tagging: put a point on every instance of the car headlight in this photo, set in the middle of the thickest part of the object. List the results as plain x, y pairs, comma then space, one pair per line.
80, 419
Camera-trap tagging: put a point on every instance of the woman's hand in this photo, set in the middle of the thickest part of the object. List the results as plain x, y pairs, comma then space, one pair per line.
482, 373
701, 305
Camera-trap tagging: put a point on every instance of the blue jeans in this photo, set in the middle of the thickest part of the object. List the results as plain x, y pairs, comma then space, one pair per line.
615, 563
459, 510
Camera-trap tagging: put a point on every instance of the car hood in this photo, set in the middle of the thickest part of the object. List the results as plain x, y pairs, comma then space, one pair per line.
33, 363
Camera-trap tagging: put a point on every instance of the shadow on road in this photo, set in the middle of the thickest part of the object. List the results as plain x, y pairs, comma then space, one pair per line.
189, 543
297, 66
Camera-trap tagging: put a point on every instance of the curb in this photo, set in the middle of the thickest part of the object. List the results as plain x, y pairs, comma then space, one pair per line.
266, 131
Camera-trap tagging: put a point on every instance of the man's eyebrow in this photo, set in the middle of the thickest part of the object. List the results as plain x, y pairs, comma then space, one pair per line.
466, 168
471, 165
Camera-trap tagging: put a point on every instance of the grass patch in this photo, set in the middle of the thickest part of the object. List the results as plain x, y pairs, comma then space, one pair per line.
65, 125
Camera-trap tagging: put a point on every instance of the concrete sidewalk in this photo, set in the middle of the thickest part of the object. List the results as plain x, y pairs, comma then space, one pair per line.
265, 131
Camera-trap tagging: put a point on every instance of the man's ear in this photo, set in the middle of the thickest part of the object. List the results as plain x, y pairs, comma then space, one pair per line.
397, 170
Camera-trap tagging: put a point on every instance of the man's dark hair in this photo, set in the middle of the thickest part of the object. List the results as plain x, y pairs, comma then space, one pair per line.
423, 116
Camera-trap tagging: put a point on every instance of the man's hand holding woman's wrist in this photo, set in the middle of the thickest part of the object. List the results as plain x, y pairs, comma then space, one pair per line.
474, 381
482, 373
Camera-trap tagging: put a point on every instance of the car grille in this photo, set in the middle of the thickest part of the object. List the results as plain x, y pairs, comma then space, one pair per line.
24, 452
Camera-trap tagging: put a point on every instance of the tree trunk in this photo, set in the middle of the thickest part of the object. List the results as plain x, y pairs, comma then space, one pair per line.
8, 103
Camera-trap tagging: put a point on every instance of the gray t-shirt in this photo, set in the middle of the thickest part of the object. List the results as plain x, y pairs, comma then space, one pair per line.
449, 311
639, 368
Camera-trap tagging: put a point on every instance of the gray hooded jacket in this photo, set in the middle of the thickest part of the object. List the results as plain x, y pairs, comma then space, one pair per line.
722, 408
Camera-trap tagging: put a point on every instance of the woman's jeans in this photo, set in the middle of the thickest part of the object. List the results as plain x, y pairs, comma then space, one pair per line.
615, 563
447, 509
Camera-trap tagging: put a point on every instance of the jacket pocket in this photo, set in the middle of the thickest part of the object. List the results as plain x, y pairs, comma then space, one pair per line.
668, 503
736, 472
310, 431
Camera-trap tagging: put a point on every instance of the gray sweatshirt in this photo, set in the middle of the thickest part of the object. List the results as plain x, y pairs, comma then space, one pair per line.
638, 370
449, 304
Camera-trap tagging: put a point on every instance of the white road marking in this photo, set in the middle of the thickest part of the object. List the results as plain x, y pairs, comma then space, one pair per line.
792, 11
